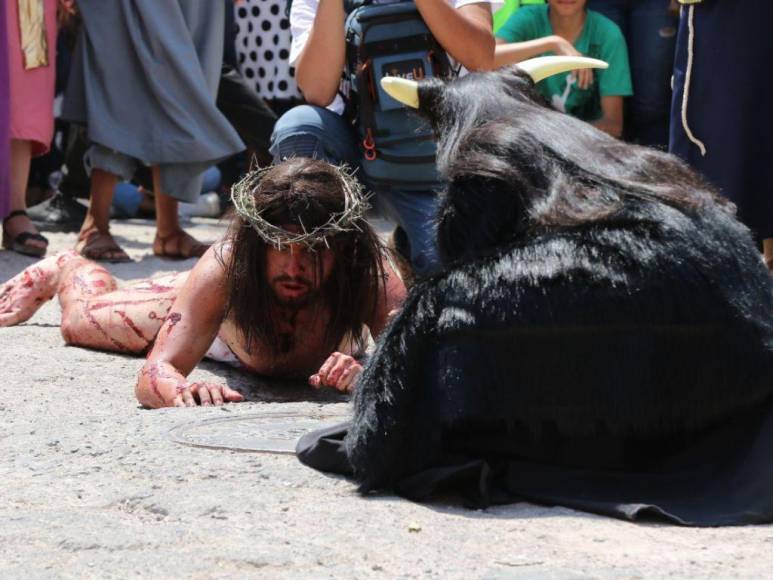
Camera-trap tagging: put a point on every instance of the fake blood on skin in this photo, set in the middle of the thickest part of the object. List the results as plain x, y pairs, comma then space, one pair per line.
95, 324
28, 281
101, 305
158, 288
126, 319
155, 372
130, 323
173, 318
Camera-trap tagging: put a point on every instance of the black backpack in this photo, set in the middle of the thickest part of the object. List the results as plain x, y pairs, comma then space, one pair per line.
391, 39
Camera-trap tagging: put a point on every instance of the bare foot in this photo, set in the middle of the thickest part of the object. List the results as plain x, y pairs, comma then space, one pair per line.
26, 292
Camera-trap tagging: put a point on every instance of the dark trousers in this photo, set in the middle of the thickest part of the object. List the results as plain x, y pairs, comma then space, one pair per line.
650, 33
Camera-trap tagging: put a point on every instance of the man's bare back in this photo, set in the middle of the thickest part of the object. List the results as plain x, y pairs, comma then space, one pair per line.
178, 318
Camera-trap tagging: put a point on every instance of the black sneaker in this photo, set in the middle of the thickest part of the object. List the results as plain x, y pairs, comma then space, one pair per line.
61, 211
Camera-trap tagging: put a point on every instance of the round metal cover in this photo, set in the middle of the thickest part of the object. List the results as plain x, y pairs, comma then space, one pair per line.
266, 432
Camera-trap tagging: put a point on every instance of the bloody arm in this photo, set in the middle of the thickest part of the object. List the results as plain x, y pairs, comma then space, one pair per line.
188, 331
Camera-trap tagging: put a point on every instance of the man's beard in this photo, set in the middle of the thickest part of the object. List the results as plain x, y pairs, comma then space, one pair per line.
308, 298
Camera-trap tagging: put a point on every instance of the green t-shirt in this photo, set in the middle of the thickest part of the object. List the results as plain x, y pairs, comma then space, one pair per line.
600, 38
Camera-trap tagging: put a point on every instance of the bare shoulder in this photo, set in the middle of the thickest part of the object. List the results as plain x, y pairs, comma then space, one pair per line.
393, 288
195, 317
212, 266
208, 279
391, 296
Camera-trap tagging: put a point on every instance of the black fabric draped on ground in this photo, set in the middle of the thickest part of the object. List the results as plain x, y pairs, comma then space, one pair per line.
724, 479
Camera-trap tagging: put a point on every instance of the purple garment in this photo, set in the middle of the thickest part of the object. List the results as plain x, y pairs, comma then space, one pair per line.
5, 120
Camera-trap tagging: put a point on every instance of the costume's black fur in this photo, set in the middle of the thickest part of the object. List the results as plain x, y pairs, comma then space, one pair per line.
600, 305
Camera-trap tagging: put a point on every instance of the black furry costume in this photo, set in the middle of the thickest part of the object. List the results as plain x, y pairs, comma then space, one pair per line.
601, 337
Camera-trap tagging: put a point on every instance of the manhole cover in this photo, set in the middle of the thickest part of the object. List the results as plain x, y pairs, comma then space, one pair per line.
268, 432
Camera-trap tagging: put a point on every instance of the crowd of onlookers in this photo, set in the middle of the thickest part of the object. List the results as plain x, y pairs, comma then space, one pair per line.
154, 109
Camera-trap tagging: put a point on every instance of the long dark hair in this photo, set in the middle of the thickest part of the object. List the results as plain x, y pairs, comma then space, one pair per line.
303, 192
515, 166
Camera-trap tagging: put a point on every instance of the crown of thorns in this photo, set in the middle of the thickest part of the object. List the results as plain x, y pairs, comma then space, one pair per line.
350, 218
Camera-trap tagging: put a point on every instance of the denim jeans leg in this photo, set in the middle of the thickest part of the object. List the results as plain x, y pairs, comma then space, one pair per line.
651, 44
615, 10
309, 131
416, 214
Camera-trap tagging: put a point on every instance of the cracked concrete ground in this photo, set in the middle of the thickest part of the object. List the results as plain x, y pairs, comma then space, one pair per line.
94, 487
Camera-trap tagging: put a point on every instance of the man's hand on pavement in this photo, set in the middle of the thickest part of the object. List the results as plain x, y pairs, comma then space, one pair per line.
206, 394
338, 372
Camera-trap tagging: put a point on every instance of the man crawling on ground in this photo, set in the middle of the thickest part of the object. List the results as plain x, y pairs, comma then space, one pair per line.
299, 275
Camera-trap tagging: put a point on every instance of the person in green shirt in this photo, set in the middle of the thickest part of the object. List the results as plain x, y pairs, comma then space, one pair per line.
566, 27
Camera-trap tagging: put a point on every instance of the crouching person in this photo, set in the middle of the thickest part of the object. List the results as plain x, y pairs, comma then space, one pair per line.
290, 292
354, 121
601, 337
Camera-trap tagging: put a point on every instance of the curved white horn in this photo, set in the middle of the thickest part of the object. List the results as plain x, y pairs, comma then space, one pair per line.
543, 67
403, 90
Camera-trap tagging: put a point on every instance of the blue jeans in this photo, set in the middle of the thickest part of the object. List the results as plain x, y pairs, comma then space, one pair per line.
650, 32
309, 131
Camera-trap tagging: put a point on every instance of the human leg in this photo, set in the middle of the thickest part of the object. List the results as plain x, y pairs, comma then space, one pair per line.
309, 131
102, 186
615, 10
94, 240
106, 168
21, 157
651, 42
5, 119
31, 118
95, 313
415, 213
171, 240
19, 233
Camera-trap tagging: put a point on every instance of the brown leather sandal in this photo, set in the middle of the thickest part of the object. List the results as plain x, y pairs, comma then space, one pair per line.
100, 246
20, 242
179, 245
